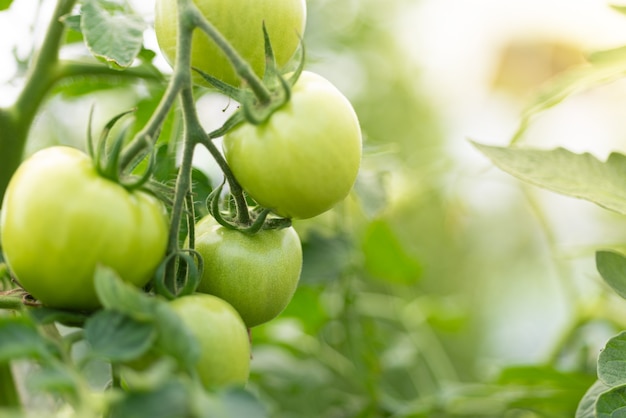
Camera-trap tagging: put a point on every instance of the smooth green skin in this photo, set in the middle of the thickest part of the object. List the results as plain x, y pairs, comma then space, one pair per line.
223, 338
241, 23
257, 274
305, 158
60, 220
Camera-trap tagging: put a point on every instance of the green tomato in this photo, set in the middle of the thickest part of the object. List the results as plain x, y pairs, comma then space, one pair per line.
305, 158
60, 220
257, 274
223, 338
241, 23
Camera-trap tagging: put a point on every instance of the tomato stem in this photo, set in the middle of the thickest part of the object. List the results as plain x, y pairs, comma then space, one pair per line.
9, 396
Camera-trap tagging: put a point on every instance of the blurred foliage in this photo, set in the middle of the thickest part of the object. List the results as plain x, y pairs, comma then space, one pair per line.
397, 293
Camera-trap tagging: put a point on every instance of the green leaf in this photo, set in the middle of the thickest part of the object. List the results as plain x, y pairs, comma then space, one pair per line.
110, 34
53, 379
20, 338
612, 267
175, 338
612, 403
233, 403
587, 406
171, 400
44, 316
575, 80
562, 171
118, 337
612, 361
115, 294
5, 4
619, 9
385, 256
324, 258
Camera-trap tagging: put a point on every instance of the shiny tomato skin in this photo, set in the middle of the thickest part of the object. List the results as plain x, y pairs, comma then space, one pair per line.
223, 338
257, 274
305, 158
60, 219
241, 23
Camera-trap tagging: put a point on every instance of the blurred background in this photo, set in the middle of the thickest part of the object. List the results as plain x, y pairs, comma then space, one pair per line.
442, 287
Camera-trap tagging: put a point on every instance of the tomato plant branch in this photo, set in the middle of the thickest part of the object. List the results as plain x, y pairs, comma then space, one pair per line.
242, 67
8, 392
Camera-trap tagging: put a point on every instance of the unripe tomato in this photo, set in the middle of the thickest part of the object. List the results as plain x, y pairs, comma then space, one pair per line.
223, 338
241, 23
257, 274
60, 219
305, 158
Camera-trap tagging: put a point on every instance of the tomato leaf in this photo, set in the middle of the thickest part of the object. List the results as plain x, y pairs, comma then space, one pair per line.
386, 257
20, 338
562, 171
233, 403
587, 405
175, 338
612, 403
612, 267
43, 316
53, 379
5, 4
118, 337
115, 294
612, 361
324, 258
170, 400
112, 35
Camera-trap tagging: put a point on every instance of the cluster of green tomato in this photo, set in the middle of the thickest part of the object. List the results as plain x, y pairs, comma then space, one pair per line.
61, 219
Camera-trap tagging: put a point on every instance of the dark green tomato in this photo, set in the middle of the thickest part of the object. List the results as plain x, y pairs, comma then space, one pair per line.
60, 220
241, 23
257, 274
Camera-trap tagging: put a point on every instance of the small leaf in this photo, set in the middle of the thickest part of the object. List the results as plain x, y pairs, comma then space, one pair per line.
110, 34
612, 403
118, 337
562, 171
44, 316
20, 338
587, 406
5, 4
612, 361
115, 294
233, 403
53, 379
175, 338
324, 258
385, 256
612, 267
170, 400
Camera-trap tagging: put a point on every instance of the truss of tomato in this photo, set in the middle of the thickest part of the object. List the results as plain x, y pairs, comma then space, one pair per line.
305, 158
241, 23
60, 219
256, 273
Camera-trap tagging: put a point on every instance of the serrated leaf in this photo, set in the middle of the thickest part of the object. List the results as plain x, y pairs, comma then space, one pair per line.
20, 338
115, 294
578, 175
386, 257
612, 361
110, 34
117, 337
612, 403
612, 267
5, 4
587, 406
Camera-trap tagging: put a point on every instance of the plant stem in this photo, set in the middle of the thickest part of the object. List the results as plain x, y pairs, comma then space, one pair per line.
242, 67
8, 392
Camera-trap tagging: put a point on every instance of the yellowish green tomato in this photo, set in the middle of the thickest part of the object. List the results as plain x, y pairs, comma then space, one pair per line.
241, 23
305, 158
257, 274
223, 338
60, 219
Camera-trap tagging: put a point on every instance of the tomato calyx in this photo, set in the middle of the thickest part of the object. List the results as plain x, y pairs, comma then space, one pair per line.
189, 266
258, 219
257, 108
